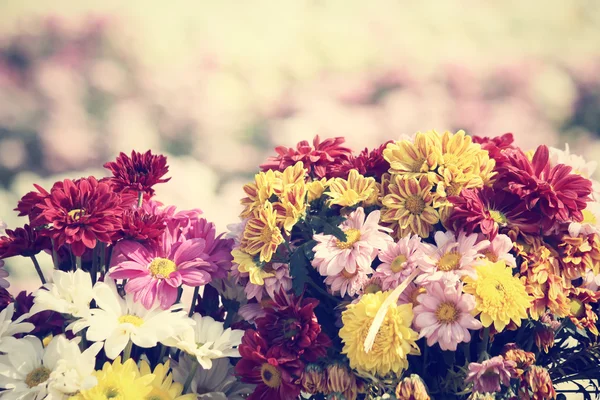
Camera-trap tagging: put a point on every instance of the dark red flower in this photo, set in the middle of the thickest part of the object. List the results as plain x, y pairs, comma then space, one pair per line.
554, 192
138, 173
489, 211
80, 213
367, 163
290, 323
141, 226
24, 242
498, 147
318, 158
274, 374
28, 205
5, 298
45, 322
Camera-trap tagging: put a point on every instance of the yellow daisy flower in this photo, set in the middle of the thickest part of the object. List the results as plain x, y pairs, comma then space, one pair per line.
292, 176
246, 263
291, 206
261, 235
500, 297
316, 188
265, 185
393, 343
118, 381
410, 202
415, 158
163, 387
349, 192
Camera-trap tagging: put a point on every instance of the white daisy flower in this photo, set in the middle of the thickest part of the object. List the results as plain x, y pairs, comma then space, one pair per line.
116, 321
68, 293
578, 163
590, 223
207, 340
8, 327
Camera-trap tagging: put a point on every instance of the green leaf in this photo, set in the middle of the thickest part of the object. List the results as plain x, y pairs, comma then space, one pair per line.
298, 269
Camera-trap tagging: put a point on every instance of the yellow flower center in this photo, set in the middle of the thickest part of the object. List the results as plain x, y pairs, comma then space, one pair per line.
131, 319
37, 376
577, 308
76, 213
449, 261
162, 267
398, 263
589, 217
372, 288
348, 275
266, 235
352, 236
270, 375
490, 255
415, 204
446, 313
498, 217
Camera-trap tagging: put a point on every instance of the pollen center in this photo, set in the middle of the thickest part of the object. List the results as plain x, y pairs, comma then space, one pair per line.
414, 204
589, 217
270, 375
577, 308
266, 235
76, 213
162, 267
37, 376
131, 319
490, 255
449, 261
398, 263
352, 236
498, 217
446, 312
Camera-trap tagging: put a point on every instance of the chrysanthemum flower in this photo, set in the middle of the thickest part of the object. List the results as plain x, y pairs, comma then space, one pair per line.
262, 236
318, 158
28, 205
352, 191
346, 283
367, 163
4, 284
500, 297
8, 327
491, 374
581, 313
291, 206
120, 381
141, 226
25, 242
341, 380
314, 379
68, 293
590, 223
411, 294
398, 261
579, 164
44, 323
452, 258
273, 372
278, 280
81, 213
163, 386
217, 247
258, 193
414, 158
412, 388
523, 359
316, 188
257, 271
138, 173
393, 343
364, 236
444, 316
578, 254
490, 211
116, 321
537, 384
499, 250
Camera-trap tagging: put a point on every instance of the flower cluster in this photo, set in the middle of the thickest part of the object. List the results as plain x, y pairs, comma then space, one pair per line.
420, 259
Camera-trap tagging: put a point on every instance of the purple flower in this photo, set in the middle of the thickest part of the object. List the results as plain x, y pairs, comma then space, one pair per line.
489, 375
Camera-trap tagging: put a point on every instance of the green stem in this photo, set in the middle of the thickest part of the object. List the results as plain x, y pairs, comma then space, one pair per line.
483, 350
127, 351
38, 269
140, 199
194, 297
190, 377
54, 255
95, 262
77, 262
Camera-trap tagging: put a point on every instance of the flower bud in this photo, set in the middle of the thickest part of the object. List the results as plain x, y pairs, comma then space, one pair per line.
314, 379
412, 388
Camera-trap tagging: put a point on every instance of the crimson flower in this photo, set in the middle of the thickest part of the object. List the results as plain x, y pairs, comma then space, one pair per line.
218, 249
554, 192
24, 242
489, 210
274, 374
291, 324
81, 213
141, 226
367, 163
138, 173
318, 158
29, 204
498, 147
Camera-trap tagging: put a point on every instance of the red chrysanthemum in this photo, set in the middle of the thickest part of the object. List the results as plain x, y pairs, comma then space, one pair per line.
367, 163
290, 323
318, 158
554, 192
498, 147
138, 173
24, 242
274, 374
80, 213
29, 204
490, 210
141, 226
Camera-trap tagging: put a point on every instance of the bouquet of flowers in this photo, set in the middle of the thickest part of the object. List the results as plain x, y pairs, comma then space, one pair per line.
438, 266
136, 305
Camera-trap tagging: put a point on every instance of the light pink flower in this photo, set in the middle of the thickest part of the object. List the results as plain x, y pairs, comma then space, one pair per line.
273, 284
159, 271
411, 294
499, 250
250, 311
489, 375
349, 283
443, 315
363, 239
398, 261
451, 258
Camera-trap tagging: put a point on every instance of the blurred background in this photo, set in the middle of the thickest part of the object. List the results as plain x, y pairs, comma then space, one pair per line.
216, 85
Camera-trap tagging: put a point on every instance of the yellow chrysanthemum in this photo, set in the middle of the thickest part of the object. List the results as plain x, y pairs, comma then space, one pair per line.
118, 381
410, 202
291, 206
265, 185
262, 235
163, 387
291, 177
349, 192
415, 158
316, 188
500, 297
393, 343
246, 263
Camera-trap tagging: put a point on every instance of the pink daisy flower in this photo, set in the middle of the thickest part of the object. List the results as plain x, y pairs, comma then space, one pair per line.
217, 247
273, 284
411, 294
499, 249
489, 375
444, 315
363, 238
349, 283
158, 271
451, 258
398, 261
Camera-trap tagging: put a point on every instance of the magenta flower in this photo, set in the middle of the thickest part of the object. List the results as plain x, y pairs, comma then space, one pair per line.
443, 315
217, 248
489, 375
398, 261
